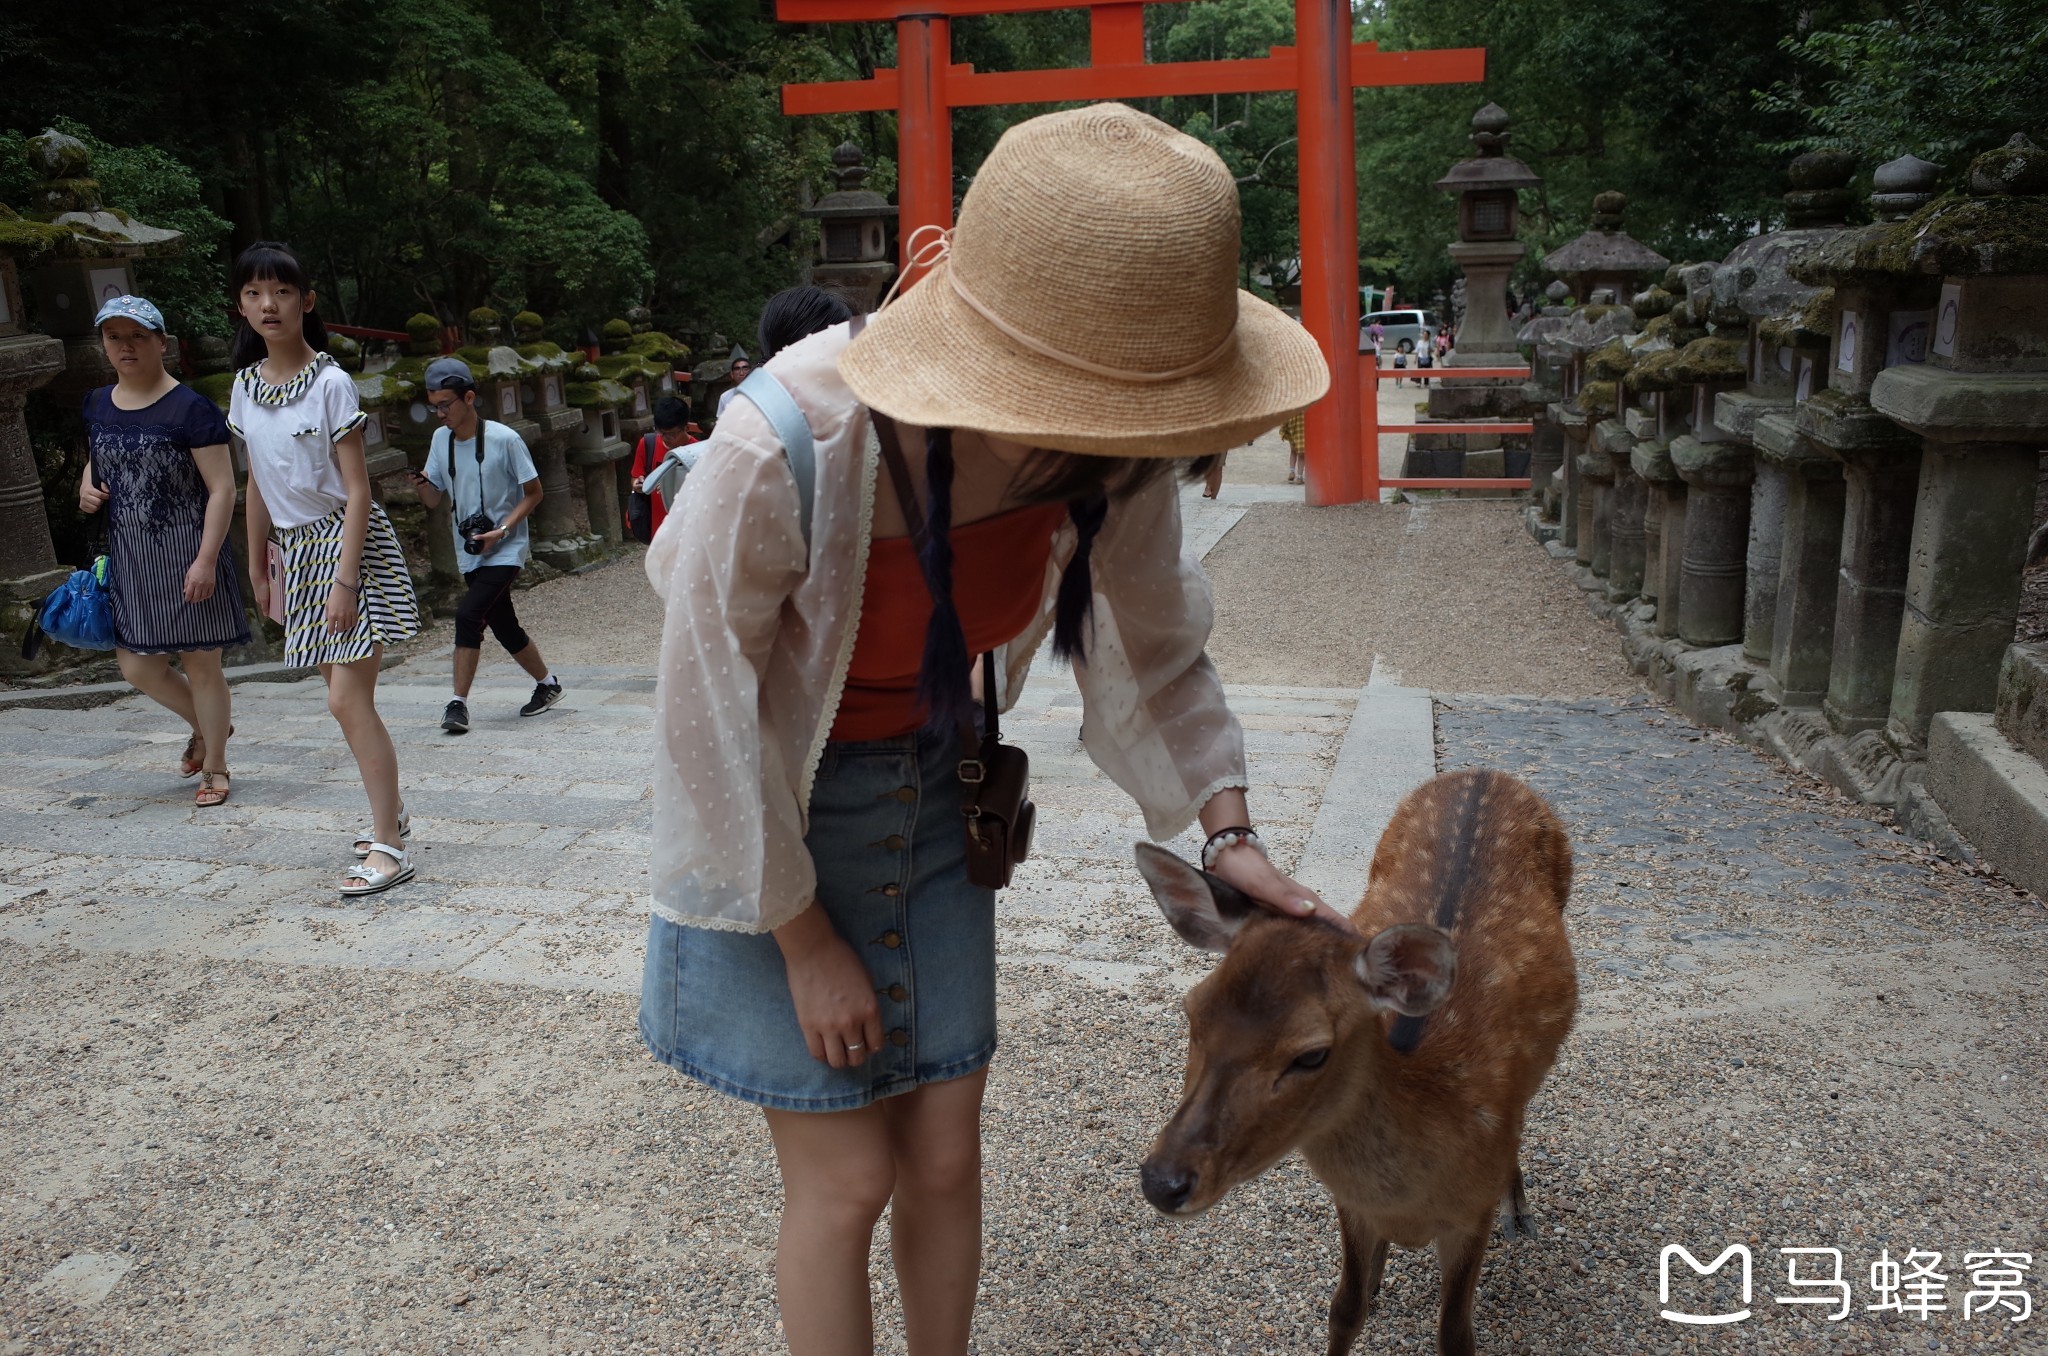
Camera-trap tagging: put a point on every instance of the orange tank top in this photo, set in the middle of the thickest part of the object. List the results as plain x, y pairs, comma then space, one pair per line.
998, 580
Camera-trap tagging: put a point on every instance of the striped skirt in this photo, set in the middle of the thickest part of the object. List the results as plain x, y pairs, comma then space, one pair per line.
388, 612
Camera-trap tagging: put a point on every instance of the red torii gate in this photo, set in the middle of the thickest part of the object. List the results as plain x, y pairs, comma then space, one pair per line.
1321, 70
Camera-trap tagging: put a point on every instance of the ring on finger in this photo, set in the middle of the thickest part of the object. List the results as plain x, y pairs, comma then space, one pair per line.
855, 1046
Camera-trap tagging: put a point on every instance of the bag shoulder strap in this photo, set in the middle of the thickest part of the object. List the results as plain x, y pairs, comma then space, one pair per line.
774, 401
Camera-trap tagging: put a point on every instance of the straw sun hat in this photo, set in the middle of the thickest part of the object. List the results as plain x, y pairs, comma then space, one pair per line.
1088, 302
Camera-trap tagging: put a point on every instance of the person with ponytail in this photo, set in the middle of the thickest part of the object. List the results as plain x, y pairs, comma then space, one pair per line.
347, 592
994, 459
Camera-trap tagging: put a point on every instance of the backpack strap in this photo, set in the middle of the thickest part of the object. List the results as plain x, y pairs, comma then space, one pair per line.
792, 429
774, 401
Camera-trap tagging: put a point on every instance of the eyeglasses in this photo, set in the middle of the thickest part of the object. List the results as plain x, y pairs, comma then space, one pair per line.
442, 407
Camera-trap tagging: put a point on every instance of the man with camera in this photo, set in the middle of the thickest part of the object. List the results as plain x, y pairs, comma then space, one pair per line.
485, 468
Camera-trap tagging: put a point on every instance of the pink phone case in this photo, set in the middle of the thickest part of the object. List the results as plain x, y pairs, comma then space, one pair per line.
274, 564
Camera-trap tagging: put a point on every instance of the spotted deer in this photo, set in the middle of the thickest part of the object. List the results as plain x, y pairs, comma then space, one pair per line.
1397, 1052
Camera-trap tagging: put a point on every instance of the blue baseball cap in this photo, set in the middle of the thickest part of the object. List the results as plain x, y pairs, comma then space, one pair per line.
136, 309
450, 374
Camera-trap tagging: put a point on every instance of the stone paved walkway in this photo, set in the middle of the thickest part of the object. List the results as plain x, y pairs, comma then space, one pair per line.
237, 1117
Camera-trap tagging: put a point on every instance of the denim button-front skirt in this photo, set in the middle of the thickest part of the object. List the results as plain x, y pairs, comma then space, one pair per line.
887, 838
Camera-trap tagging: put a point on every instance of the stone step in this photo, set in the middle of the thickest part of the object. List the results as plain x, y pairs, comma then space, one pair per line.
530, 834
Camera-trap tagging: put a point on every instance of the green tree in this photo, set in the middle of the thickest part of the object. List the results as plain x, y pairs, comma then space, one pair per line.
1942, 81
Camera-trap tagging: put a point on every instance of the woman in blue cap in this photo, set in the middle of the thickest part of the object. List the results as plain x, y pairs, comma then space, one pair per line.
159, 466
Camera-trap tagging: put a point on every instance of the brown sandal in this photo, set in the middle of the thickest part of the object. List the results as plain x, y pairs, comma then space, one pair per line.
194, 759
213, 790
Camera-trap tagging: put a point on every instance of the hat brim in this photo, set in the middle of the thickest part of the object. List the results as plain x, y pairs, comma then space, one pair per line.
932, 361
104, 316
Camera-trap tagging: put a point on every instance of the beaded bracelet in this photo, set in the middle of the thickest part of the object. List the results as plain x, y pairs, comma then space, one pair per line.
1225, 838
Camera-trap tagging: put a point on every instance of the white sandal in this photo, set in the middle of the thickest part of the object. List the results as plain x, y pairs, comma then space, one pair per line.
372, 881
368, 837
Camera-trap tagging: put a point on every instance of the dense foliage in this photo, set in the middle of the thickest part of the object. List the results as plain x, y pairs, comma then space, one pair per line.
579, 156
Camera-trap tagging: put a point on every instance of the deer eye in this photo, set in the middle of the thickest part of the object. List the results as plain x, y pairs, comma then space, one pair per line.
1313, 1059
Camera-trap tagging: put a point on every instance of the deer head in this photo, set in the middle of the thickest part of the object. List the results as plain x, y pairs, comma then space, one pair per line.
1284, 1035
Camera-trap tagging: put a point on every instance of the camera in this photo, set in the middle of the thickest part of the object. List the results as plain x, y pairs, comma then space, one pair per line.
472, 527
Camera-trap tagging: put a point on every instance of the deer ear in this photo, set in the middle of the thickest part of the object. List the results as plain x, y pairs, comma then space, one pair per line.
1408, 969
1205, 910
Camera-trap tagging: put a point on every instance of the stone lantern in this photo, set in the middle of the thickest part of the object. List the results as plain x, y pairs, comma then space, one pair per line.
1881, 467
541, 393
1978, 404
1605, 256
853, 238
1796, 496
70, 288
28, 556
1486, 186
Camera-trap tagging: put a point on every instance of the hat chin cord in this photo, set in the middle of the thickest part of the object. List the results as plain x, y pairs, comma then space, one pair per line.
929, 253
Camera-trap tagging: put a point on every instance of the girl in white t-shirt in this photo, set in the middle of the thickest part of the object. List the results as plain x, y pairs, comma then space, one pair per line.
347, 591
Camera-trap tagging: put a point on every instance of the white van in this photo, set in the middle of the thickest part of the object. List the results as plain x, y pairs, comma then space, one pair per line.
1400, 331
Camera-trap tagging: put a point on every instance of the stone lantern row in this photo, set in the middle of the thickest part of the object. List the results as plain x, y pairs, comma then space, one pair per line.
1802, 481
579, 417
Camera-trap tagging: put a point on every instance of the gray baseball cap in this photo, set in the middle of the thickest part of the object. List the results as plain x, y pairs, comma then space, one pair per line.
450, 374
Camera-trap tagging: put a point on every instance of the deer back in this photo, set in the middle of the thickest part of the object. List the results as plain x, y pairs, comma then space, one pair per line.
1482, 857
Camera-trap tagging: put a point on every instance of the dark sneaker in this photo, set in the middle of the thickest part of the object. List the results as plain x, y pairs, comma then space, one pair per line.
455, 720
544, 696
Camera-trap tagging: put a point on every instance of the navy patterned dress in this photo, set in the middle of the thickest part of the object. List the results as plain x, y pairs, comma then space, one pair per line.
156, 521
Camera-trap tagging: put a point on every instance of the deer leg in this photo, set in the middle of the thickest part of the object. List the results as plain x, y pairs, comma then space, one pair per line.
1365, 1261
1516, 1221
1459, 1257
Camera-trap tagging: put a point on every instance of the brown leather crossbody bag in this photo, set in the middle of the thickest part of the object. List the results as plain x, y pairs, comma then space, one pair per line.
997, 776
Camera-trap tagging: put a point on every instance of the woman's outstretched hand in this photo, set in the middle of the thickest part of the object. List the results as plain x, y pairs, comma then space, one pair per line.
832, 990
1247, 868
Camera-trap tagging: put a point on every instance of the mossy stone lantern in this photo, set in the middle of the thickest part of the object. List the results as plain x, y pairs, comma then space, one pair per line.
71, 287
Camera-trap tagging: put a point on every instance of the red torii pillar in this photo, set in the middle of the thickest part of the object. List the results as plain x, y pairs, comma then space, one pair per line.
1321, 70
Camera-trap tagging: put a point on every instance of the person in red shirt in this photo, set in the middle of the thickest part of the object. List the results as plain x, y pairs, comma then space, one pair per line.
672, 429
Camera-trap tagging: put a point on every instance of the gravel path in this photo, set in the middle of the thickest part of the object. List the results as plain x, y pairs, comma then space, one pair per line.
1796, 1030
1453, 596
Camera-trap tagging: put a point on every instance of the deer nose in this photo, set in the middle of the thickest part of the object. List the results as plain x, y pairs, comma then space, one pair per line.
1167, 1188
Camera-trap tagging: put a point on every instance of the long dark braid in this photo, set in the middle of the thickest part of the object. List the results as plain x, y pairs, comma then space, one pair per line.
1075, 606
942, 676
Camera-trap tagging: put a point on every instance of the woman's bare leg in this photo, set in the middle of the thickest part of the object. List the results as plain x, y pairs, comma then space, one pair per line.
352, 701
153, 676
838, 1171
935, 1218
210, 704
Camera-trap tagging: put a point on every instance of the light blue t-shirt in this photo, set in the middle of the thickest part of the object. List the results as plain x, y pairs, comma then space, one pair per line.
506, 469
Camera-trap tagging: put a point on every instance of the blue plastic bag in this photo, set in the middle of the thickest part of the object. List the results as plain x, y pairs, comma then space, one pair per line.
80, 611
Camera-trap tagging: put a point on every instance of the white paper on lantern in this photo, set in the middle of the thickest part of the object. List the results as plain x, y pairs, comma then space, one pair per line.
106, 284
1846, 339
1948, 317
1906, 342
